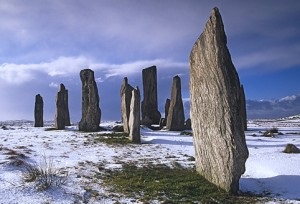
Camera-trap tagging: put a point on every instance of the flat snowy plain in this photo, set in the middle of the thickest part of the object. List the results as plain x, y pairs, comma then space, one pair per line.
269, 171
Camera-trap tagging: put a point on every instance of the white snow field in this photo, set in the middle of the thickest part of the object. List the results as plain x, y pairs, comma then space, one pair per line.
269, 171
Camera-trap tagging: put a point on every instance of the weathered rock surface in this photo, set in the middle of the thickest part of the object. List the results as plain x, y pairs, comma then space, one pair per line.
62, 116
162, 123
38, 111
243, 107
175, 120
91, 113
134, 118
125, 93
291, 149
188, 124
167, 107
150, 113
219, 139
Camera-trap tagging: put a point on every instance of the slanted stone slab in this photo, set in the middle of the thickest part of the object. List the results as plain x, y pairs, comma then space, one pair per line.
175, 120
125, 93
38, 111
134, 118
91, 113
62, 116
150, 113
219, 139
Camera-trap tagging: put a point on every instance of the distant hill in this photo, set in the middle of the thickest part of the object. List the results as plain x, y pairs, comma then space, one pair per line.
280, 108
267, 109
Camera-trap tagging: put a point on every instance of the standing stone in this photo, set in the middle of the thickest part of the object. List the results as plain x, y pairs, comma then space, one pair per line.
38, 111
219, 139
175, 120
91, 113
243, 107
134, 118
167, 107
188, 124
150, 113
126, 93
62, 116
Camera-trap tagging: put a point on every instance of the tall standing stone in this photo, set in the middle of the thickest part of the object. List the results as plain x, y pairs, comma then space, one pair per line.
167, 106
219, 139
62, 116
91, 113
175, 120
150, 113
38, 111
126, 93
134, 118
243, 107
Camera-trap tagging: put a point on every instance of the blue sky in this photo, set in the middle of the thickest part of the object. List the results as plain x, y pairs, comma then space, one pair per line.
45, 43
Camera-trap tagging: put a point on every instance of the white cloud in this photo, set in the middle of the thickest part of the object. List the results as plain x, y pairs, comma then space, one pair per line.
66, 66
53, 85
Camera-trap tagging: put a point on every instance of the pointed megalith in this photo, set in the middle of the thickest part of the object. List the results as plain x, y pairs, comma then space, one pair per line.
38, 111
91, 113
134, 118
175, 120
126, 93
150, 113
62, 116
219, 139
243, 107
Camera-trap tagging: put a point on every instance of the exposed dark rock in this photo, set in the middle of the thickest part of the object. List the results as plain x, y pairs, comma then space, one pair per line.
188, 124
38, 111
150, 113
219, 139
291, 149
91, 113
175, 120
62, 116
134, 118
243, 107
118, 128
125, 93
162, 123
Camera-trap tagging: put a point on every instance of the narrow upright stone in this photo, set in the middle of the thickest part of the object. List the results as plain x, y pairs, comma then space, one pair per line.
91, 113
219, 139
150, 113
125, 93
38, 111
167, 107
175, 120
243, 107
188, 124
62, 116
134, 118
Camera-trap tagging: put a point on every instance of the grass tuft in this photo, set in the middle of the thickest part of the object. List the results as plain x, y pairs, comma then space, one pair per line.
112, 138
167, 185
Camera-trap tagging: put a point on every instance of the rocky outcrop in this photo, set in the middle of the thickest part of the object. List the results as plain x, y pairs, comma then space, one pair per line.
291, 149
243, 107
125, 93
62, 116
175, 120
38, 111
134, 118
91, 113
150, 113
219, 139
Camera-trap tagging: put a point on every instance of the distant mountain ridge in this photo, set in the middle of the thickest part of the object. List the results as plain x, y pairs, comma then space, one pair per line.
284, 107
266, 109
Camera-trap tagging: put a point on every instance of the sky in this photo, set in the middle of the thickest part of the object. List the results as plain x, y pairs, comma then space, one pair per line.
45, 43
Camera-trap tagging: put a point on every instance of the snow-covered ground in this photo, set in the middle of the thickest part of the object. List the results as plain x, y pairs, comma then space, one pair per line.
269, 172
